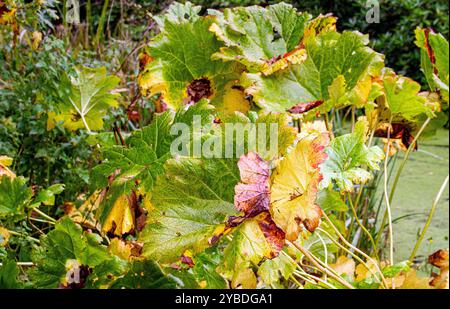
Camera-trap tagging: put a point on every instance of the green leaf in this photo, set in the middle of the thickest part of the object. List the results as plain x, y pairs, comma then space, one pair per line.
253, 240
47, 196
330, 200
394, 270
144, 275
87, 99
347, 155
9, 273
402, 96
284, 133
270, 270
255, 35
181, 67
178, 13
15, 195
434, 59
62, 248
330, 56
185, 279
142, 160
104, 274
191, 201
205, 267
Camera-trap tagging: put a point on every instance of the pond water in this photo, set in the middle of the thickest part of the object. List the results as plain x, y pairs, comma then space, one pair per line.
418, 186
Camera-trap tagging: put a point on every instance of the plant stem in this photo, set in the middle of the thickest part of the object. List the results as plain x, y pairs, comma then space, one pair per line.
396, 179
311, 278
314, 260
25, 236
430, 217
327, 125
356, 249
101, 24
351, 253
386, 195
361, 225
43, 221
43, 214
405, 159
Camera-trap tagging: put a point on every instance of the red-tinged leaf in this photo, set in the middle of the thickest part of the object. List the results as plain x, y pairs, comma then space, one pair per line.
398, 131
304, 107
198, 89
252, 194
274, 235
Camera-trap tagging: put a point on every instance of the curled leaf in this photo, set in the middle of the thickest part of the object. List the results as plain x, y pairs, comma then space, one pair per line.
294, 187
440, 260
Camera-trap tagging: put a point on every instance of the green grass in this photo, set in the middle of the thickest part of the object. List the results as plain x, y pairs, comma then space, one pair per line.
420, 181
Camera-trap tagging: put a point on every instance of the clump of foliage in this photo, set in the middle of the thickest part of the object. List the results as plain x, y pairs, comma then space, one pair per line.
295, 216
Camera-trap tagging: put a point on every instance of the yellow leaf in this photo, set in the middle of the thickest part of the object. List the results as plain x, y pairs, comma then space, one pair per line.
4, 236
414, 282
121, 219
344, 265
296, 57
4, 170
125, 249
234, 100
245, 278
37, 38
294, 187
362, 272
6, 161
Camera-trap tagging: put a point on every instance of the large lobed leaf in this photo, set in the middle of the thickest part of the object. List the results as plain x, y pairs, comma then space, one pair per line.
86, 99
61, 251
180, 66
295, 184
336, 71
254, 35
191, 201
137, 165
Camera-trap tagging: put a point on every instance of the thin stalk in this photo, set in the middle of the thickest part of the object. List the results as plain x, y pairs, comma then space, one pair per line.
405, 159
353, 117
430, 217
42, 221
43, 214
325, 270
361, 225
351, 253
101, 24
355, 249
325, 251
327, 125
386, 196
304, 276
296, 272
397, 177
25, 236
22, 264
296, 281
297, 266
88, 22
